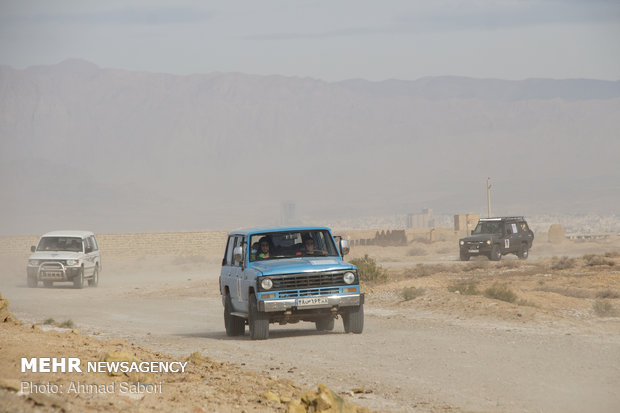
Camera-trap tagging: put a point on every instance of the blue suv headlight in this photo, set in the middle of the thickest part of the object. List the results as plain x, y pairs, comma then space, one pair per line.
349, 277
266, 283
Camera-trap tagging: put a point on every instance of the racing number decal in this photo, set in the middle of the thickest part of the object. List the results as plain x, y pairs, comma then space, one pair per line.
506, 243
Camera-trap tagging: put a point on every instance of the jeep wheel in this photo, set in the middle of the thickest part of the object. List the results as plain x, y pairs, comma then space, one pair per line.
235, 326
464, 256
48, 284
523, 253
353, 321
496, 255
94, 281
78, 280
258, 321
32, 282
325, 324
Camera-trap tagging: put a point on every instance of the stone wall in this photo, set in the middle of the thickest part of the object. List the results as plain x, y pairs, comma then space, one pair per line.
367, 237
187, 244
210, 243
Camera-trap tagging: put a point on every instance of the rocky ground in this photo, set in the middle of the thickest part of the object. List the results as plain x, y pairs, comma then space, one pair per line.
205, 386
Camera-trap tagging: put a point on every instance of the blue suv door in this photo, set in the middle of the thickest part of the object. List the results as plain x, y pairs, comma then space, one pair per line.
231, 274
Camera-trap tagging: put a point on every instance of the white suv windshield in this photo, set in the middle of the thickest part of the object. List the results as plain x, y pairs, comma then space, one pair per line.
60, 244
291, 244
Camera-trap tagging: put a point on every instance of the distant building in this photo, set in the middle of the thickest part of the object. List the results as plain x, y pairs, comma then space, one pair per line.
465, 222
423, 220
287, 213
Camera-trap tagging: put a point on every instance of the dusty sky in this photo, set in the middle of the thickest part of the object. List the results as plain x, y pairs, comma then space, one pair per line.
329, 40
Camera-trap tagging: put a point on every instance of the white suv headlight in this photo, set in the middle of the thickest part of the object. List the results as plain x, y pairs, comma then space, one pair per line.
33, 263
266, 283
488, 242
72, 262
462, 242
348, 277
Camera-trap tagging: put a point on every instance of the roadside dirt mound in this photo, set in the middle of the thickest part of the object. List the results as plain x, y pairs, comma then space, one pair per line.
205, 386
5, 315
556, 234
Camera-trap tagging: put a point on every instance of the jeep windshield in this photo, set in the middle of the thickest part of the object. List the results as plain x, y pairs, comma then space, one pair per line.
292, 244
488, 228
72, 244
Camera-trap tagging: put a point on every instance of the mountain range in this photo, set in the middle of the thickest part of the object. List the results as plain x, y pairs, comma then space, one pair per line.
118, 151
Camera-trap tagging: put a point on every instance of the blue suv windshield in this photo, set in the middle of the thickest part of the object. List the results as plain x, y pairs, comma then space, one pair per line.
292, 244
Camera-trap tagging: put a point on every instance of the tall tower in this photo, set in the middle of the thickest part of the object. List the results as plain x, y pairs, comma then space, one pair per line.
287, 213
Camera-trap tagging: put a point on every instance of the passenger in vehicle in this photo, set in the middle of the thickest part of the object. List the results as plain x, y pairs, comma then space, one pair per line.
254, 251
264, 249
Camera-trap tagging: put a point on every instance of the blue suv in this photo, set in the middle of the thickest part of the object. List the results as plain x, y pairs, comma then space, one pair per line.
286, 275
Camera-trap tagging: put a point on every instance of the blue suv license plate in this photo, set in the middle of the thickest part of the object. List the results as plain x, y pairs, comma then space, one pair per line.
311, 301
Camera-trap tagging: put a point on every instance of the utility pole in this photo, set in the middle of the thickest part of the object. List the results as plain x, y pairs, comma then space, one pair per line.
489, 197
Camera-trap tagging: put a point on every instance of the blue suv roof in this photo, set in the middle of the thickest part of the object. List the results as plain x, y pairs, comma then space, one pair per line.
247, 231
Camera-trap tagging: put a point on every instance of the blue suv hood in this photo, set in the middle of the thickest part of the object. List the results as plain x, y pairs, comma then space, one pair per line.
297, 265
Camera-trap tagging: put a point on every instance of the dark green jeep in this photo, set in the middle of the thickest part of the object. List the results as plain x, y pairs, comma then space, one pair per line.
495, 237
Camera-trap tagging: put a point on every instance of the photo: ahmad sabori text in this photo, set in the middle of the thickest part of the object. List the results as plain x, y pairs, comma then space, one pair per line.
76, 387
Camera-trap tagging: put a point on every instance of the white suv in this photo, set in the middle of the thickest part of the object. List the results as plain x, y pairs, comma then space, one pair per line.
65, 256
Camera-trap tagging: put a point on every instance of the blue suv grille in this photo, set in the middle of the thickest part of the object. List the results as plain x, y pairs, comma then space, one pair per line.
308, 293
307, 280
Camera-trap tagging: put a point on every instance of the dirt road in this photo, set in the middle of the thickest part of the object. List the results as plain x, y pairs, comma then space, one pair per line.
409, 358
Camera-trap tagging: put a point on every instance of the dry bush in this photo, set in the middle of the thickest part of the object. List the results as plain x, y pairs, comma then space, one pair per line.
445, 250
607, 294
476, 265
64, 324
67, 324
593, 259
424, 270
465, 287
500, 292
568, 292
444, 237
416, 252
526, 303
409, 293
612, 254
369, 270
509, 264
562, 263
604, 309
